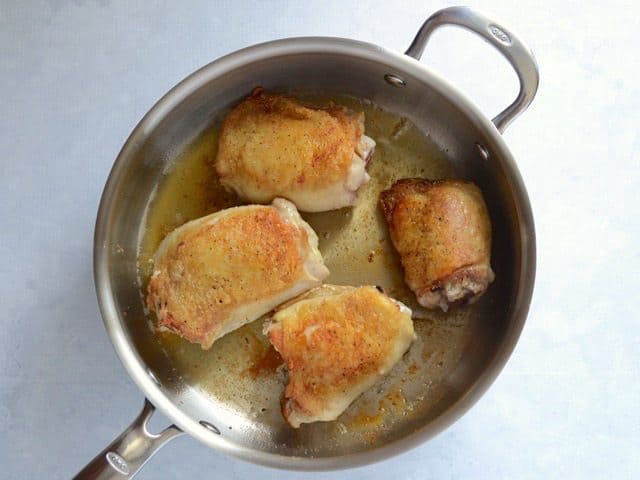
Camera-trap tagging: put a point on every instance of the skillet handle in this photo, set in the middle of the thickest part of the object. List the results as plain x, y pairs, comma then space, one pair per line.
130, 451
506, 42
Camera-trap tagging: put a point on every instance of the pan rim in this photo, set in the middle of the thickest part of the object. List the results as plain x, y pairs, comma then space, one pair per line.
113, 321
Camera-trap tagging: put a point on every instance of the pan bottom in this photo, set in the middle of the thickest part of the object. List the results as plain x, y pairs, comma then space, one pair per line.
241, 374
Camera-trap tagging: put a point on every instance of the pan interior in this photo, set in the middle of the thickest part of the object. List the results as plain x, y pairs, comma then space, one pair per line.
238, 383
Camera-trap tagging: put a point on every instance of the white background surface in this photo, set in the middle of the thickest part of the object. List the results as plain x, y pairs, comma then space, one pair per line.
75, 77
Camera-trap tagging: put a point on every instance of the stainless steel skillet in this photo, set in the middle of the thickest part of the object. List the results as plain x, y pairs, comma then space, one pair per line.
398, 83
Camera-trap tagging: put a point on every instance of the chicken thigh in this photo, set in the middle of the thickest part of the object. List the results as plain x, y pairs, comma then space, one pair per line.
337, 342
441, 230
272, 146
219, 272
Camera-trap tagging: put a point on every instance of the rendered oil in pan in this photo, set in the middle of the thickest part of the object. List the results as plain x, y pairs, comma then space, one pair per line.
240, 372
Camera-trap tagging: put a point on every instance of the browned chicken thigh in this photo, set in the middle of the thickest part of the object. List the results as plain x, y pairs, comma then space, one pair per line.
441, 230
219, 272
272, 146
336, 341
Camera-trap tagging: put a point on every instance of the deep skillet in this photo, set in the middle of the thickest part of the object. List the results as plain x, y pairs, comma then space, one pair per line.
396, 82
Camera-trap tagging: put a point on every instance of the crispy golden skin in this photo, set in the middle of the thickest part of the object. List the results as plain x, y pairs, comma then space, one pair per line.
219, 272
441, 230
272, 146
336, 342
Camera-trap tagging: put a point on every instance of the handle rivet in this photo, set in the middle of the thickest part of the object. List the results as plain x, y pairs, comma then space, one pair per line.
153, 377
484, 153
209, 426
395, 80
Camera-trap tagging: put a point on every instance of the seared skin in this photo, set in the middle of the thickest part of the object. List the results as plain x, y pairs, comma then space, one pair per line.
441, 230
272, 146
217, 273
337, 342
